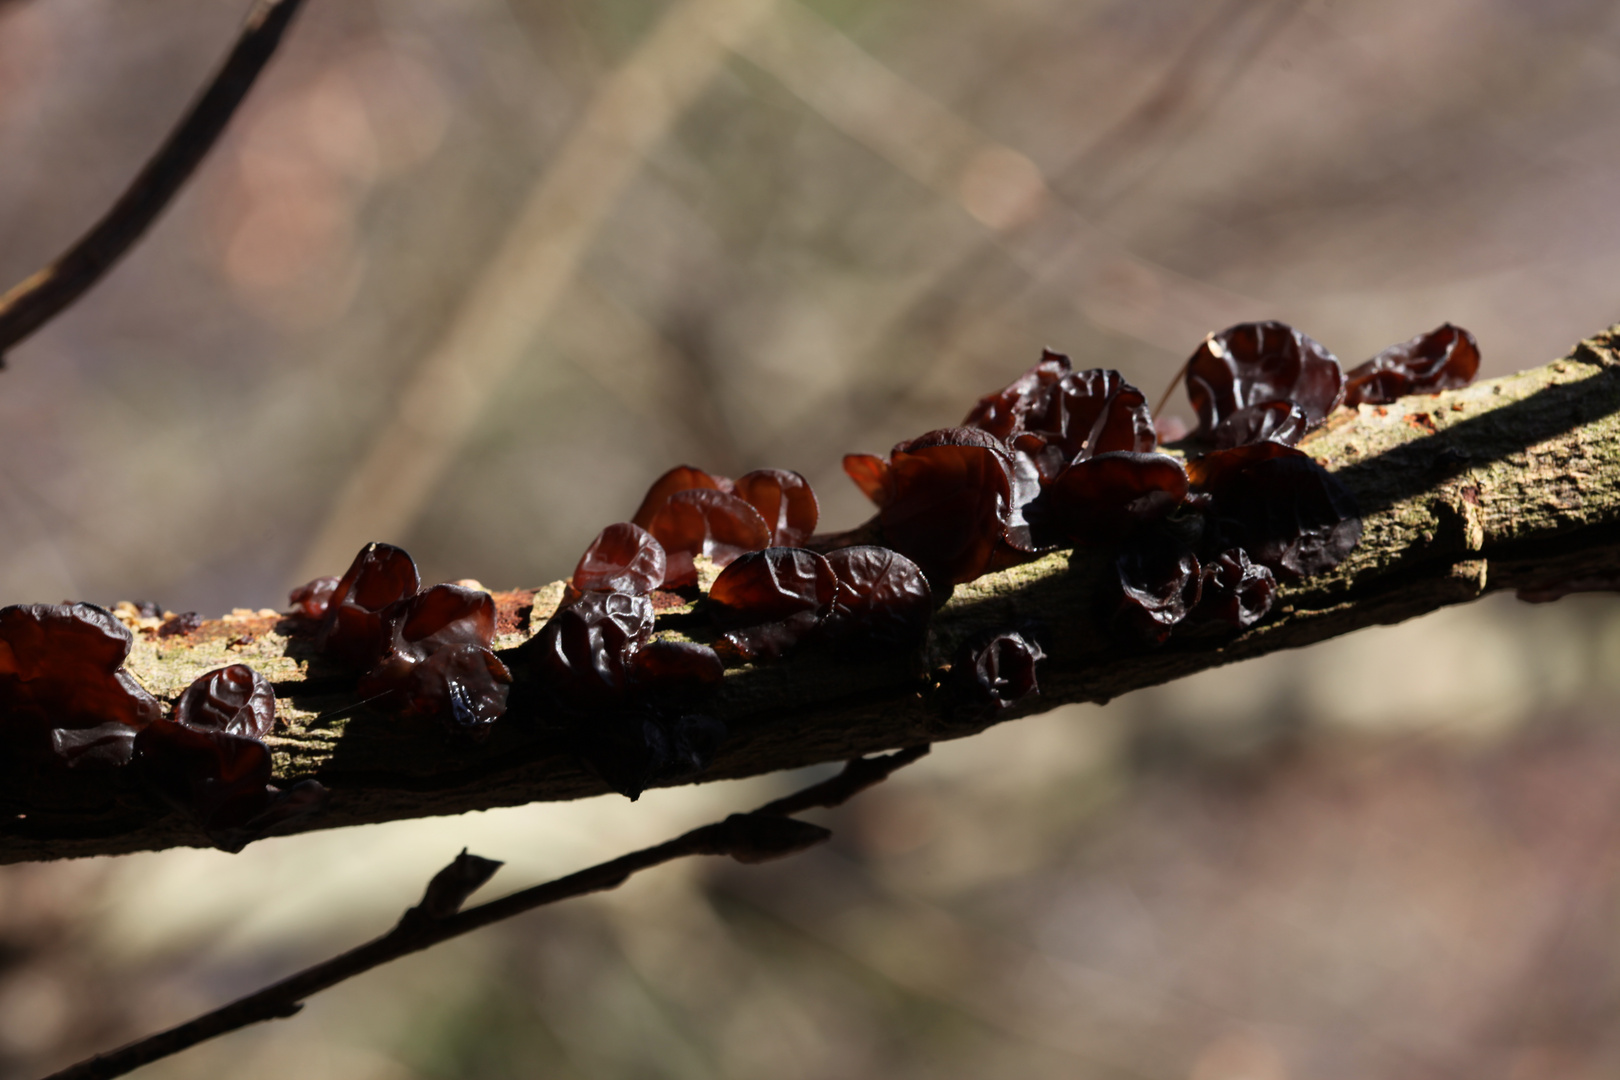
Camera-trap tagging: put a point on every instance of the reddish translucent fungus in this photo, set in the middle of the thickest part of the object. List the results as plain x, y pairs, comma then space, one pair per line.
462, 684
707, 522
310, 600
222, 781
871, 475
445, 615
64, 695
357, 629
1443, 359
952, 499
623, 558
768, 601
1275, 421
680, 478
583, 652
882, 603
676, 671
1100, 500
1288, 512
1255, 363
786, 502
995, 673
1159, 584
233, 699
1055, 414
1237, 593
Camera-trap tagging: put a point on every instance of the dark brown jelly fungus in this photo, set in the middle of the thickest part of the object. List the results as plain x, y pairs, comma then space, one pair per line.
356, 629
1443, 359
993, 673
953, 498
768, 601
1275, 421
786, 502
183, 623
445, 615
1054, 414
1236, 593
1288, 512
234, 699
679, 672
882, 604
64, 696
680, 478
623, 558
222, 781
703, 521
311, 599
1255, 363
634, 749
1102, 499
583, 651
1159, 581
462, 685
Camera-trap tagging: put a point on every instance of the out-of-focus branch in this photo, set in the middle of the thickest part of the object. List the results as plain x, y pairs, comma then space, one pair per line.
40, 298
766, 833
510, 300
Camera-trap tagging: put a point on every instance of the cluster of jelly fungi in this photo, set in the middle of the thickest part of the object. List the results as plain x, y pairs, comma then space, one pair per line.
423, 652
66, 703
209, 759
1200, 538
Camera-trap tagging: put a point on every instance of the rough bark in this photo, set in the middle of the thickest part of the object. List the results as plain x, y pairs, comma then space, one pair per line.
1512, 483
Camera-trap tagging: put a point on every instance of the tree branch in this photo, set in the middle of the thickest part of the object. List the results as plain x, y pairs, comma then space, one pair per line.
1509, 484
766, 833
40, 298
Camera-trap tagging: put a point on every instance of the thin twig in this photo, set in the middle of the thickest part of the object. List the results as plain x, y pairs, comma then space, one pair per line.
766, 833
40, 298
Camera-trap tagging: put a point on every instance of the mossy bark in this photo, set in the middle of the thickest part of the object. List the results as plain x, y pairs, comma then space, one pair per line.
1512, 483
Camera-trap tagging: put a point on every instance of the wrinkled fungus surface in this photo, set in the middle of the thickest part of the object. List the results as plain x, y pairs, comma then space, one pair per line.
64, 696
424, 653
990, 674
952, 500
622, 558
1054, 415
210, 762
310, 600
356, 628
1236, 593
768, 601
234, 699
1258, 363
1159, 581
1445, 358
1274, 421
882, 603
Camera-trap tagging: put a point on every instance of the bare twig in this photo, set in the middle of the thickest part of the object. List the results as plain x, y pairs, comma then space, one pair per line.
764, 834
40, 298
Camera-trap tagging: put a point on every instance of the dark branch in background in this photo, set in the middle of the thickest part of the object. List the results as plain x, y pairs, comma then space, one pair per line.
40, 298
764, 834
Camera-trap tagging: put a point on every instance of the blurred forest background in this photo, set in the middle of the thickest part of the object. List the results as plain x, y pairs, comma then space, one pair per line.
466, 275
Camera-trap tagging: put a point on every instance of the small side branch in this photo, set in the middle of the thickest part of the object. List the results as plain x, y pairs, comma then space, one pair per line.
764, 834
40, 298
